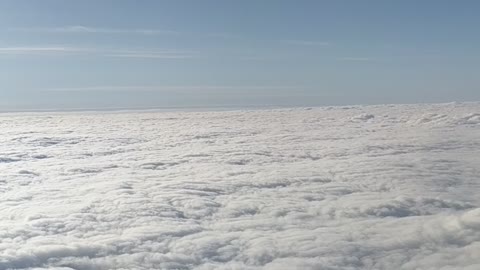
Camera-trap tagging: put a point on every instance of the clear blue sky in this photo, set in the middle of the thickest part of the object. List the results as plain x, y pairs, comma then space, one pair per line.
118, 53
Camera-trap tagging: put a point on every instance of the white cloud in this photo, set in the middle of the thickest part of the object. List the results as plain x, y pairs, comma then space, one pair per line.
357, 59
358, 187
41, 50
186, 89
80, 29
153, 54
92, 30
308, 42
66, 50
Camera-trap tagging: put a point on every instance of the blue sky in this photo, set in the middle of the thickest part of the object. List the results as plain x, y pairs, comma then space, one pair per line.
113, 53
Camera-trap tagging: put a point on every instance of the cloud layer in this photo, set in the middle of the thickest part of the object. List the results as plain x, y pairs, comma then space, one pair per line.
360, 187
92, 30
80, 51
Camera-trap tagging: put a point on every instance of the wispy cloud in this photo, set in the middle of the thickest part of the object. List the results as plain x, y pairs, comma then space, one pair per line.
67, 50
211, 89
153, 54
41, 50
92, 30
357, 59
307, 42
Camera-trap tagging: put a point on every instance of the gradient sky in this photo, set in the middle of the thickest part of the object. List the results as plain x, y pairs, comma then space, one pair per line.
68, 54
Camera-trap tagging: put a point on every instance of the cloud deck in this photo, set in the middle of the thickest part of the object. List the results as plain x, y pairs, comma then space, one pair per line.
360, 187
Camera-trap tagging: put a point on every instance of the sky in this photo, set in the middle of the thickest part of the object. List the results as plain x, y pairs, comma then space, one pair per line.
69, 54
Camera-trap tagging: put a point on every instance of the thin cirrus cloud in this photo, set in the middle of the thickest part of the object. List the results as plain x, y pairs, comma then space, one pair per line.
153, 54
80, 29
307, 42
356, 59
92, 30
188, 89
40, 50
66, 50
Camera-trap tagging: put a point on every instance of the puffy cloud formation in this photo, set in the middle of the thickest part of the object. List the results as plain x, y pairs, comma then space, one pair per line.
361, 187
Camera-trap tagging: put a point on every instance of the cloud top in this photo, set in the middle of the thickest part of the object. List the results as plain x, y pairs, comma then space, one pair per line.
357, 187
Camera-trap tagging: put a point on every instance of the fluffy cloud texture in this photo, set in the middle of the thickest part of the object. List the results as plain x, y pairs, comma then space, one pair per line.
361, 187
